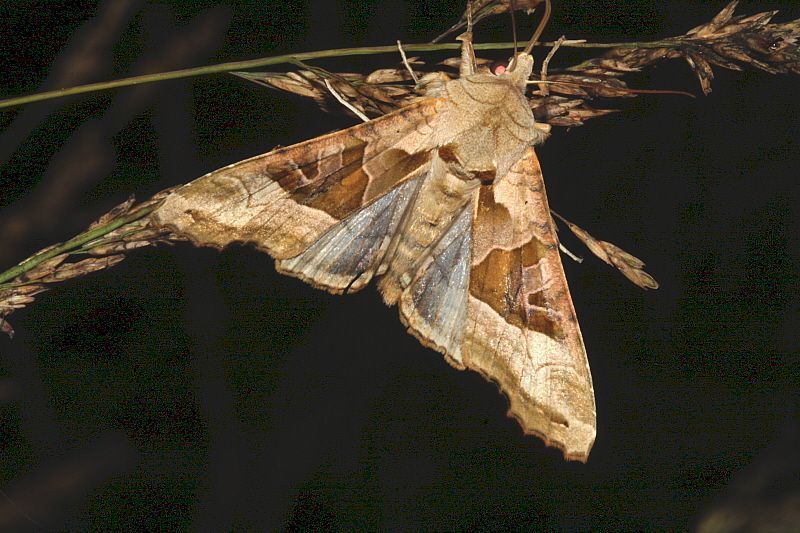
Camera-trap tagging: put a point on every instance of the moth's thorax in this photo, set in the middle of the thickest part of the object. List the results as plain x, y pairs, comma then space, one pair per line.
487, 123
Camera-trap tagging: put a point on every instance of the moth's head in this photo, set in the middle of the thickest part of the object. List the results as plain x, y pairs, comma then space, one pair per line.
520, 70
521, 66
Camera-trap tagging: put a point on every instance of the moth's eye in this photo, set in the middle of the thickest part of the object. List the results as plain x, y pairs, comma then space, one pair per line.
775, 46
498, 68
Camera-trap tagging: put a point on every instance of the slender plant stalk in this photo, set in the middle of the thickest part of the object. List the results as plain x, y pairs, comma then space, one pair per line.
289, 58
76, 242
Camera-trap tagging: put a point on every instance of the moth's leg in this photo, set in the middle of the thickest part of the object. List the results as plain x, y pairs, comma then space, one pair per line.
468, 64
545, 90
345, 103
405, 62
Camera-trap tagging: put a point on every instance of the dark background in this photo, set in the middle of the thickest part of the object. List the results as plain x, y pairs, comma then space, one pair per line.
190, 389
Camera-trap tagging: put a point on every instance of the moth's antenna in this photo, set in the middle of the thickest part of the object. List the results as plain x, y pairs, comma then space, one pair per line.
514, 26
540, 28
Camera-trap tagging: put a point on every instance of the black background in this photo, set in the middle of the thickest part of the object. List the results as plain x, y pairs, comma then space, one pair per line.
187, 388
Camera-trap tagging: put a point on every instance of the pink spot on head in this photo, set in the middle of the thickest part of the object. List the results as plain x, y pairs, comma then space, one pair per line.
499, 69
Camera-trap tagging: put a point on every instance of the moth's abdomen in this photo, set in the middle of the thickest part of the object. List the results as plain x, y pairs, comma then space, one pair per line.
439, 201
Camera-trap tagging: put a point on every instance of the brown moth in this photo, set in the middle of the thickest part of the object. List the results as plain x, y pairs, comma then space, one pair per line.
444, 203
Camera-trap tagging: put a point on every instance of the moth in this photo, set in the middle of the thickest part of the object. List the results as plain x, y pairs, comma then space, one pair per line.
443, 203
